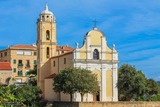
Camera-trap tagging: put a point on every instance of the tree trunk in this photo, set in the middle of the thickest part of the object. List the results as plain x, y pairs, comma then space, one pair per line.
71, 97
59, 96
82, 97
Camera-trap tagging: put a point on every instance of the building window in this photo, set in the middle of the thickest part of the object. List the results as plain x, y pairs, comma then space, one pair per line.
20, 63
27, 63
95, 54
14, 70
35, 53
5, 53
47, 54
1, 54
14, 61
27, 73
19, 52
20, 73
54, 63
27, 52
35, 62
47, 35
64, 60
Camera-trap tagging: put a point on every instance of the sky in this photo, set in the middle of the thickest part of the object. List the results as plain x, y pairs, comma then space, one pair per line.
132, 25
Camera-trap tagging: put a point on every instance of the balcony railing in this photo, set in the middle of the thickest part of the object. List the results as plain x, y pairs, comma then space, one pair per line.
28, 66
20, 65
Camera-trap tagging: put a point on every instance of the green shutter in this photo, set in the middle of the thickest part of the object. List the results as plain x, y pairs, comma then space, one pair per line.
14, 70
27, 73
20, 73
35, 62
14, 61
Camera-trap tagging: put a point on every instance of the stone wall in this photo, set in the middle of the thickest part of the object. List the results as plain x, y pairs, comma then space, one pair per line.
66, 104
107, 104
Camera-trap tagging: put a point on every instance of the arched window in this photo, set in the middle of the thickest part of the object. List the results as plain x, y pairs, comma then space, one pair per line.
47, 53
47, 35
95, 54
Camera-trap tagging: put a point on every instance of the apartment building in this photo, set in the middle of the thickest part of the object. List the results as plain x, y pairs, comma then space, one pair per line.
22, 58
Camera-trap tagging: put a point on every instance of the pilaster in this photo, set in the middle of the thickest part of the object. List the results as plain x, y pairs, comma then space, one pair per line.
103, 84
103, 47
115, 81
88, 47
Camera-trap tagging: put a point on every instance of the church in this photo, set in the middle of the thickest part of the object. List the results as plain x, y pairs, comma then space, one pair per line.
93, 55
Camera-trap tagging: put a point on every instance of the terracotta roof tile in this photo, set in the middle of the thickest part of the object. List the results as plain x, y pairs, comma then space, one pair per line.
5, 66
63, 54
22, 46
64, 48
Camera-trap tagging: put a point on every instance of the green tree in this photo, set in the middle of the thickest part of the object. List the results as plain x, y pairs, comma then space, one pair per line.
29, 95
21, 95
71, 80
65, 82
155, 98
7, 95
33, 76
33, 71
139, 85
152, 87
86, 82
131, 84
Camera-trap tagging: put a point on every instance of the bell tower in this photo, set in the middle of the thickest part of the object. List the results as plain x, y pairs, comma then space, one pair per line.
46, 43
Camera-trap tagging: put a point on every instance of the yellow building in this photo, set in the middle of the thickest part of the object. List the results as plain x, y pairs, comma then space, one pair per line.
94, 55
22, 58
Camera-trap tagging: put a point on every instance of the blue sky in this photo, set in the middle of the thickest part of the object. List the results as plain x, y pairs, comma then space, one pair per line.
133, 25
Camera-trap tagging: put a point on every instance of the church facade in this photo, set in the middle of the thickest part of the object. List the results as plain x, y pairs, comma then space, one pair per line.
94, 55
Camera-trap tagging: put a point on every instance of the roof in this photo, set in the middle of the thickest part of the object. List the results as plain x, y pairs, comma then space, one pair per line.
64, 48
69, 52
33, 47
46, 11
94, 29
5, 66
22, 46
